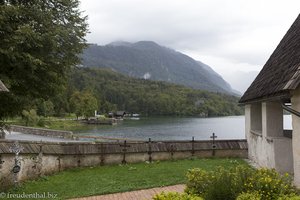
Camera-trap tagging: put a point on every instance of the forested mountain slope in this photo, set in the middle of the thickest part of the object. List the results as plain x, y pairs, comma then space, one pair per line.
119, 92
148, 60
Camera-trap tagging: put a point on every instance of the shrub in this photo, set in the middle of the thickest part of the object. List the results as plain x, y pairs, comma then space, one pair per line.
249, 196
229, 184
41, 122
30, 117
270, 184
221, 184
217, 191
175, 196
289, 197
198, 181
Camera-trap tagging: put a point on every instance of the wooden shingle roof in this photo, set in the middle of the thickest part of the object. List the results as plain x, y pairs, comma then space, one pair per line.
2, 87
281, 73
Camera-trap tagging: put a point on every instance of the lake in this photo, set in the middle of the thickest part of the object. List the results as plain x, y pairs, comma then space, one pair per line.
176, 128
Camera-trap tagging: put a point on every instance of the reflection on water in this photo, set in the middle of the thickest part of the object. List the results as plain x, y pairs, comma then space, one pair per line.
170, 128
175, 128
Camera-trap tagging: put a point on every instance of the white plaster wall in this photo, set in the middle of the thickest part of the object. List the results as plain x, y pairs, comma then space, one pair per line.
272, 119
296, 136
261, 151
268, 148
247, 121
252, 141
283, 155
260, 145
271, 152
267, 153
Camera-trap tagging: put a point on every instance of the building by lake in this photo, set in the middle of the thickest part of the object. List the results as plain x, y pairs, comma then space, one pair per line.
276, 88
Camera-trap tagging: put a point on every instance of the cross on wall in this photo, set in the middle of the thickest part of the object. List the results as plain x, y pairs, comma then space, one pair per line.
16, 148
125, 145
213, 143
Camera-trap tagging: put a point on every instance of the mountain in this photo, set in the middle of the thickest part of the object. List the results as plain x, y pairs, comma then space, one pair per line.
148, 60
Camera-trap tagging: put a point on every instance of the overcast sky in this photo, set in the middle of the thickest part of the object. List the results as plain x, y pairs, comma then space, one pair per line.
228, 35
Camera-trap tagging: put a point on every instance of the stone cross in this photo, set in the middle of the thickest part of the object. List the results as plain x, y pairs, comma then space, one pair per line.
16, 148
213, 137
125, 145
213, 143
193, 146
150, 150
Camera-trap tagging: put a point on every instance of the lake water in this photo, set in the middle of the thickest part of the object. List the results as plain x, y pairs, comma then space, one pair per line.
175, 128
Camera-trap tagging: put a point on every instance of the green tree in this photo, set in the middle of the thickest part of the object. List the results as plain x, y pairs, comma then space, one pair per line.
46, 108
61, 104
40, 42
83, 104
75, 104
30, 117
90, 104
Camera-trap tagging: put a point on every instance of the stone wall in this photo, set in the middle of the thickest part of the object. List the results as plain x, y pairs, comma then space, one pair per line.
45, 158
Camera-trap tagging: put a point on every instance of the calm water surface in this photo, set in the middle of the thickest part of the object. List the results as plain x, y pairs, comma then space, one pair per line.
170, 128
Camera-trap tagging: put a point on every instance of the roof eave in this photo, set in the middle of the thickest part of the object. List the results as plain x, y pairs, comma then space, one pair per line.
282, 96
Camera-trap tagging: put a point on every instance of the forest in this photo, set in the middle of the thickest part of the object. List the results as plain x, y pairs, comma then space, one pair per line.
105, 90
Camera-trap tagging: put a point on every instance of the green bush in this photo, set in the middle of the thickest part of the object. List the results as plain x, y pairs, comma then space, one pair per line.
30, 117
249, 196
230, 184
216, 190
220, 184
175, 196
41, 122
270, 184
289, 197
198, 181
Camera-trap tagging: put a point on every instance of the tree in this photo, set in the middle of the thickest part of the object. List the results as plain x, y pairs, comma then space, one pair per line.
75, 104
40, 42
90, 104
45, 108
30, 117
83, 104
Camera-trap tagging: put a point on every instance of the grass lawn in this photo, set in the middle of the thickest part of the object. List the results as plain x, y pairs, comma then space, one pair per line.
80, 182
55, 123
66, 125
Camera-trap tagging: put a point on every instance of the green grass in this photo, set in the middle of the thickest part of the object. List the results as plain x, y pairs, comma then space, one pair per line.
66, 125
80, 182
54, 123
